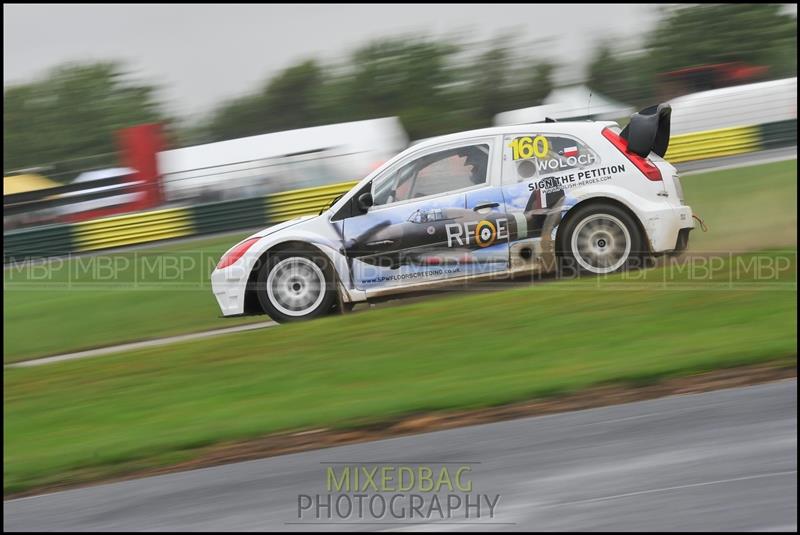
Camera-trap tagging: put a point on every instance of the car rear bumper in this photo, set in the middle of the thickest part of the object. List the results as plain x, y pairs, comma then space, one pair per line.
664, 227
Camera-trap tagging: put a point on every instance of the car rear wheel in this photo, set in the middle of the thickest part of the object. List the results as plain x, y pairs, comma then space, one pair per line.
601, 239
295, 286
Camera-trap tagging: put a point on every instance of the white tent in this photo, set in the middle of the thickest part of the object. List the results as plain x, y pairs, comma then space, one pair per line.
257, 165
575, 102
103, 202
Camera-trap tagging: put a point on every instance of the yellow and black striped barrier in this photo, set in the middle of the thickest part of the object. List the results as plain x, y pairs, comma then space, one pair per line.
713, 144
158, 225
290, 204
131, 229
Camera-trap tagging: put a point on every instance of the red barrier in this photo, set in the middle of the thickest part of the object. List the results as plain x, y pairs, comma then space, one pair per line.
139, 147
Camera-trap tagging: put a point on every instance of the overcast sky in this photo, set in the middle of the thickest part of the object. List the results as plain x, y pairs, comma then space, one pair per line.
202, 54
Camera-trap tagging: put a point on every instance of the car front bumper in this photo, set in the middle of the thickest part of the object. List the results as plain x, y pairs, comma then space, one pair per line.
229, 286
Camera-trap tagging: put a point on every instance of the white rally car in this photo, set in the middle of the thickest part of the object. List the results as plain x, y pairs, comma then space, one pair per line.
478, 204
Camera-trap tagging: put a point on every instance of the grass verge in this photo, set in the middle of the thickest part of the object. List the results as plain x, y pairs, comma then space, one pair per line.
746, 209
106, 299
92, 419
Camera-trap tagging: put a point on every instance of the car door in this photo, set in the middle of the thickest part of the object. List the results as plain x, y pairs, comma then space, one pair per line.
435, 215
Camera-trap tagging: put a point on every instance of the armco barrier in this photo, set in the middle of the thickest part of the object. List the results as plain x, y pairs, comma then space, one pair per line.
159, 225
221, 216
132, 229
731, 141
778, 134
55, 240
713, 144
50, 240
289, 204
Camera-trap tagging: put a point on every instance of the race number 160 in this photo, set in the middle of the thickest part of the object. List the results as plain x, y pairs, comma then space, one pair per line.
525, 147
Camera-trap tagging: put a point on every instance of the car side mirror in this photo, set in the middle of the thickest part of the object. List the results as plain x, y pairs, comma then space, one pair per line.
365, 201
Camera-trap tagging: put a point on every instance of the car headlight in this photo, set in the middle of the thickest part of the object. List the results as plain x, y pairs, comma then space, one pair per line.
236, 252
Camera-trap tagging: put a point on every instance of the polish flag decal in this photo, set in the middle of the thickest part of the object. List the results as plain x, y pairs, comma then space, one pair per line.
570, 151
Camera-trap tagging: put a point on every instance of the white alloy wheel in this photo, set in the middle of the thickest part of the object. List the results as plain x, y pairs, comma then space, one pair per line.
296, 286
601, 243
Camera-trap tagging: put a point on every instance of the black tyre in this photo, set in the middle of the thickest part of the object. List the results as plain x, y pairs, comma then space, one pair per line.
293, 286
345, 307
600, 239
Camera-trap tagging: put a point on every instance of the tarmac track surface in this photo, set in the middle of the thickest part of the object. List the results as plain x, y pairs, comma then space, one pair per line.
723, 460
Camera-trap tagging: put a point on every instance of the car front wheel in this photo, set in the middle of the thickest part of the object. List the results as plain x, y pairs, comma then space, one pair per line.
295, 286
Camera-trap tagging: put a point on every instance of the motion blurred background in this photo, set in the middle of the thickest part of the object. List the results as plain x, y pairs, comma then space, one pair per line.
140, 142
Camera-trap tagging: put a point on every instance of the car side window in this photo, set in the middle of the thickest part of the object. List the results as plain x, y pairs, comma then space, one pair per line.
527, 156
434, 173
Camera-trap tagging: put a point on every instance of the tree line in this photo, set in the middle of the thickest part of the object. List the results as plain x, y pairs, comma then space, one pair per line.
434, 86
